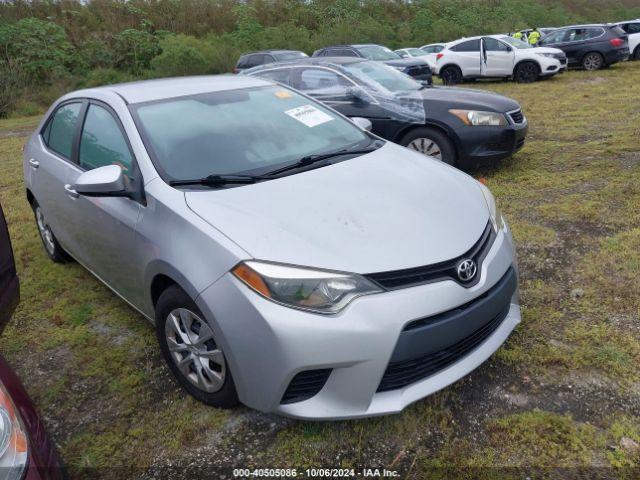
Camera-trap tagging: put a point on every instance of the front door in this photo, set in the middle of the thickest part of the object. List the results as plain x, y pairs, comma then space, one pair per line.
497, 58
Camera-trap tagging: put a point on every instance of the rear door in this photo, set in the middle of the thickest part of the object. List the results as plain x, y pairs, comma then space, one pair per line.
50, 164
9, 289
468, 57
497, 58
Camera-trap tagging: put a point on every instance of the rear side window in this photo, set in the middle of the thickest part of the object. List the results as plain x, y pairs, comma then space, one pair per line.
594, 32
632, 28
468, 46
61, 129
102, 142
320, 81
250, 61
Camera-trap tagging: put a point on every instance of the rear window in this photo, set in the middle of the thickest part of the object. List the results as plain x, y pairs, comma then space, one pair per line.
468, 46
290, 55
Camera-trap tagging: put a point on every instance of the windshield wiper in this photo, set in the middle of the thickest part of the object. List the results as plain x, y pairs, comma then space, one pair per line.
220, 180
311, 159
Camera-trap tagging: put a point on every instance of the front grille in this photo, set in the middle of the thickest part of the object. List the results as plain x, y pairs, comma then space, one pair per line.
438, 271
401, 374
517, 116
419, 70
305, 385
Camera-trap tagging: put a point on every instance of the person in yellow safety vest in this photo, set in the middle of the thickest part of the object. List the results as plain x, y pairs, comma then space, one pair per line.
534, 37
518, 35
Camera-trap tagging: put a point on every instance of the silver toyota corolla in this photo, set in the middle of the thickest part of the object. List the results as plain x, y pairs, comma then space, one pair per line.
288, 258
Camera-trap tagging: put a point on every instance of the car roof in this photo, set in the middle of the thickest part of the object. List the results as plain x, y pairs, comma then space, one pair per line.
587, 25
271, 51
163, 88
316, 61
353, 45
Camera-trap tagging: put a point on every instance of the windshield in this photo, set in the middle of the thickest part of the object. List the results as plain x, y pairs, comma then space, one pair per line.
248, 131
376, 52
415, 52
514, 42
378, 75
290, 55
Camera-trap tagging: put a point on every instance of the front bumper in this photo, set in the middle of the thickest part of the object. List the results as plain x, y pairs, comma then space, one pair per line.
484, 145
267, 345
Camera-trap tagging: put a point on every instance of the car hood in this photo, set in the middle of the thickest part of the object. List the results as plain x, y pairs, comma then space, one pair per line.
387, 210
467, 98
549, 50
405, 62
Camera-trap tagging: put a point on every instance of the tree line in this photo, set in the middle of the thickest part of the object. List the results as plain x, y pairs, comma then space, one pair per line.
49, 47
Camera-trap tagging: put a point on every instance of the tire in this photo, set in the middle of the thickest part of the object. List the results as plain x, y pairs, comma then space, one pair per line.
451, 75
204, 370
592, 61
636, 53
526, 72
432, 142
49, 241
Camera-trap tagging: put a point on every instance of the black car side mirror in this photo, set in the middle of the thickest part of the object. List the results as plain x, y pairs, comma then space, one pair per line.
357, 94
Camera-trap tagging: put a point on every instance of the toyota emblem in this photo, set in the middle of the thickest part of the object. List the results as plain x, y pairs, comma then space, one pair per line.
466, 270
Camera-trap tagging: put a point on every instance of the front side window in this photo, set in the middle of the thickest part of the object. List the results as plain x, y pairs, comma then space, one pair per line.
253, 130
468, 46
102, 142
493, 45
381, 77
61, 129
321, 81
377, 52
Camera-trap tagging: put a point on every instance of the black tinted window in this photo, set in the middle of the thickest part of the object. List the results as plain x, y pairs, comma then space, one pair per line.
102, 143
594, 32
557, 37
469, 46
61, 129
632, 28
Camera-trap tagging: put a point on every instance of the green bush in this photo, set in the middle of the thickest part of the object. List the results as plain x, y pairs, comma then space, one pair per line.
105, 76
183, 55
134, 50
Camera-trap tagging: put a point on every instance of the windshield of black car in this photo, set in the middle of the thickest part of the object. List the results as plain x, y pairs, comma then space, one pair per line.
376, 52
245, 131
514, 42
377, 75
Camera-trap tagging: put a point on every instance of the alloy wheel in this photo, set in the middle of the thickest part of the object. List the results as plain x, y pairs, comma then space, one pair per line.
593, 61
527, 73
426, 146
45, 231
194, 351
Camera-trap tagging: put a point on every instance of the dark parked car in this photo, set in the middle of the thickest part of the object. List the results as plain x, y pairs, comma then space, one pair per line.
462, 127
414, 67
25, 450
250, 60
590, 46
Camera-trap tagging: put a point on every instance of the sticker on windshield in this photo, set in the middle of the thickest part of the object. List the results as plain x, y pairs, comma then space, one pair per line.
283, 94
309, 115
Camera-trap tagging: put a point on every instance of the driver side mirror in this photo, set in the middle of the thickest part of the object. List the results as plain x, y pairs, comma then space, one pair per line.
357, 94
509, 49
363, 123
107, 181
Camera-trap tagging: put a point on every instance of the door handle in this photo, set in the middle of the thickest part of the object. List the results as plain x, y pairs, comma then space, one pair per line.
71, 192
34, 163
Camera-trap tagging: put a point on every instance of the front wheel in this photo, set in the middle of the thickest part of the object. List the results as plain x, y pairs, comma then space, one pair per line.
636, 53
451, 76
192, 351
431, 142
526, 73
593, 61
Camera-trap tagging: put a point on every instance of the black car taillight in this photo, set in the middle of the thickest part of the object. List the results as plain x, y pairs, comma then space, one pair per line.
616, 42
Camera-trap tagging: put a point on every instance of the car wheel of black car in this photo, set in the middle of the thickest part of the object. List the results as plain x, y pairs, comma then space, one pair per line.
49, 240
592, 61
451, 76
190, 349
526, 72
432, 142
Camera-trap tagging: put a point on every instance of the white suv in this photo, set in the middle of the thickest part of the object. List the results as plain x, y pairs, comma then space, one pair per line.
632, 28
497, 56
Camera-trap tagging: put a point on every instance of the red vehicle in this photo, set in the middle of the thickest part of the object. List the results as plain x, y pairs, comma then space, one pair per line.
25, 449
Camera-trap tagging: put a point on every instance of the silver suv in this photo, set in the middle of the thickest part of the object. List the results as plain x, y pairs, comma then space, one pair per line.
288, 258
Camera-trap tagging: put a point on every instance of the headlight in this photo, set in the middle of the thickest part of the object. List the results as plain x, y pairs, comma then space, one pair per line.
314, 290
494, 211
13, 440
478, 118
548, 55
400, 69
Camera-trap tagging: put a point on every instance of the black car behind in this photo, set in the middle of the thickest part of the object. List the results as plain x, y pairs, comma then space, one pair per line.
253, 59
414, 67
590, 46
452, 124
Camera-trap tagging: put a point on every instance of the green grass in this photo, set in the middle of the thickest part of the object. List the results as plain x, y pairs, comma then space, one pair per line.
572, 198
